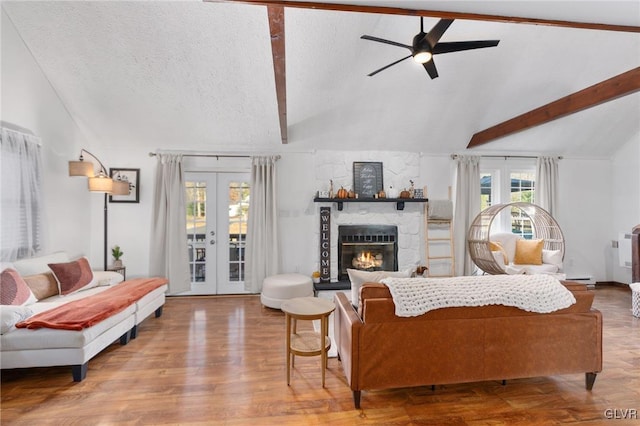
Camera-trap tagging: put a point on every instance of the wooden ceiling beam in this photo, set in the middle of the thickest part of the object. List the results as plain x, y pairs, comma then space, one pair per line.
436, 14
607, 90
276, 29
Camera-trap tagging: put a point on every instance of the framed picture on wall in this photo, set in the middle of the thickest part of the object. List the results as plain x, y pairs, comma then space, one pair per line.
129, 175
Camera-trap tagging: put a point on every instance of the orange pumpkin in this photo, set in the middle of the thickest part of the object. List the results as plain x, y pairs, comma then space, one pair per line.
405, 194
342, 193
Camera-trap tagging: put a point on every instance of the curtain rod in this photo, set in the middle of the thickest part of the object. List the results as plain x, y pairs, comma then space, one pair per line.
153, 154
16, 128
454, 156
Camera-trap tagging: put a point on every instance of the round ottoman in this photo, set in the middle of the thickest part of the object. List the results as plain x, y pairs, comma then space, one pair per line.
278, 288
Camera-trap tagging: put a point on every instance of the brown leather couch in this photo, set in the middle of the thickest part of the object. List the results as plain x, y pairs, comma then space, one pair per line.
379, 350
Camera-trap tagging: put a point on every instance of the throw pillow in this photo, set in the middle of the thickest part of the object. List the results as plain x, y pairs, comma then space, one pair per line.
13, 289
496, 246
72, 276
358, 277
105, 278
553, 257
11, 315
528, 252
42, 285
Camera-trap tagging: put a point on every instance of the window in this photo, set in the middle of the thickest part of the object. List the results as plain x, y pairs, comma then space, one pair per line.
507, 181
21, 203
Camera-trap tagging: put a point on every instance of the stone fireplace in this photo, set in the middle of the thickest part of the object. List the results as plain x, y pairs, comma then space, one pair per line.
368, 248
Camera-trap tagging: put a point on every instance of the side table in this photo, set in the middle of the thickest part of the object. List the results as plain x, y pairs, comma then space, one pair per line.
307, 343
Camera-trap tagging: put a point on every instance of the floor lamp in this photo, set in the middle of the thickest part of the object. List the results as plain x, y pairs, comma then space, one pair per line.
100, 183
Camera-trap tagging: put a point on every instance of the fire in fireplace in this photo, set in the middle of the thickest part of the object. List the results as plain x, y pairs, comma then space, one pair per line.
367, 247
367, 260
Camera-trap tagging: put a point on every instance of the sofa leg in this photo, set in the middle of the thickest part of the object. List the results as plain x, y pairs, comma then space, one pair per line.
159, 312
79, 372
590, 379
134, 332
124, 339
504, 383
356, 399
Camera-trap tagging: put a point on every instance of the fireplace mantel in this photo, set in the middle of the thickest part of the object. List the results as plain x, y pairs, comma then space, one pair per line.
399, 201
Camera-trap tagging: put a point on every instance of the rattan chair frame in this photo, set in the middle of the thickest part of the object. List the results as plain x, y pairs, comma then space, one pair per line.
544, 226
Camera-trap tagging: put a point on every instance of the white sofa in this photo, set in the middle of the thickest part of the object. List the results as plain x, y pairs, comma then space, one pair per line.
44, 347
551, 259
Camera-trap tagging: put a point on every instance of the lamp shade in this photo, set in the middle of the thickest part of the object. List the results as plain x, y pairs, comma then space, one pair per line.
100, 183
120, 187
81, 168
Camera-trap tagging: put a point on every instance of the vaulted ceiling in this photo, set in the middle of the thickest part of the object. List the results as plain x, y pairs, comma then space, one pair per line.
200, 75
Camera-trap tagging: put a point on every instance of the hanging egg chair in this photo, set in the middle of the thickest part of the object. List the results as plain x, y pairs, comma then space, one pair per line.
544, 227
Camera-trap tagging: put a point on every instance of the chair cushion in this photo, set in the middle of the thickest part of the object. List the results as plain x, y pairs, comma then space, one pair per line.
508, 242
496, 246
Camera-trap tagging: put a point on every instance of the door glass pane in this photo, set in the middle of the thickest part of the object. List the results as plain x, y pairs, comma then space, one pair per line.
196, 200
238, 214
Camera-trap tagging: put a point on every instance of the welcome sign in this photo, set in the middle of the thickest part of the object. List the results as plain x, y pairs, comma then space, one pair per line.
325, 244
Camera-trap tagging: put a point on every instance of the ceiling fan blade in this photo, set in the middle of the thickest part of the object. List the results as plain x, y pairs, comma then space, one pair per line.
438, 29
457, 46
431, 69
381, 40
387, 66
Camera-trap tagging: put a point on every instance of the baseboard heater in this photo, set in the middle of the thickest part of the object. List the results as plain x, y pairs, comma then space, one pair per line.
583, 279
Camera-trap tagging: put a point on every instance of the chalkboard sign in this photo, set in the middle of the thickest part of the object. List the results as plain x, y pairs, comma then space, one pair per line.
367, 179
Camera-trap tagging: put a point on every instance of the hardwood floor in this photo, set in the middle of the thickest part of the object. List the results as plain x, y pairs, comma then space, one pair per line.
221, 360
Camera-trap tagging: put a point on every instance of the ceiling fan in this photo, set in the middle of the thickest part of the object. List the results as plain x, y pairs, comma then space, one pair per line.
425, 45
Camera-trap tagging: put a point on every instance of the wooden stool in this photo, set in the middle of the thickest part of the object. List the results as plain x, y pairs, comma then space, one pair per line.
307, 343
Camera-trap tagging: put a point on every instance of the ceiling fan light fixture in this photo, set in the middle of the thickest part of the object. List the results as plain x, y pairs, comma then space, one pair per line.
422, 57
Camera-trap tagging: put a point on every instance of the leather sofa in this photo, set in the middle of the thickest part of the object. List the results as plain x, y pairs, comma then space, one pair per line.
379, 350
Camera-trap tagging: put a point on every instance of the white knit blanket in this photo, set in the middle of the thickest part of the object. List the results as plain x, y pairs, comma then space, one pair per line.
533, 293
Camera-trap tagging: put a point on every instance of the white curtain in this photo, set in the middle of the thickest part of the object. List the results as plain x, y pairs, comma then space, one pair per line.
21, 192
467, 207
263, 251
546, 195
168, 252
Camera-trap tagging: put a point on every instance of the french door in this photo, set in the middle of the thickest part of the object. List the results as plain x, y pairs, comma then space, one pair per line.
217, 213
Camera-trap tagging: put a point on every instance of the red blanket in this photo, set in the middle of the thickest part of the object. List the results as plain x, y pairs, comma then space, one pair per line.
91, 310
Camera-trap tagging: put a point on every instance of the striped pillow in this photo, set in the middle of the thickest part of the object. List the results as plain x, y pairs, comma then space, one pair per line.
13, 289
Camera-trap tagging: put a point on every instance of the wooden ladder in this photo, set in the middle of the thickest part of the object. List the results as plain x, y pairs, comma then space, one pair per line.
439, 234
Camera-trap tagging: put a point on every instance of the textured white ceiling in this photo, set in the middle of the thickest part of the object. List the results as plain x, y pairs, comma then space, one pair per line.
199, 76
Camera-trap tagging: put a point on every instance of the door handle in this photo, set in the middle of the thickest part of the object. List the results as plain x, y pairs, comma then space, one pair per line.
212, 242
213, 233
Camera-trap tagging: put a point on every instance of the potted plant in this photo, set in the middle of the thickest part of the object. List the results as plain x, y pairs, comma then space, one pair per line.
117, 254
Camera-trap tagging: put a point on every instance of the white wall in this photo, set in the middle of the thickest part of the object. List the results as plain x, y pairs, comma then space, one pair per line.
73, 216
29, 101
599, 198
584, 214
625, 191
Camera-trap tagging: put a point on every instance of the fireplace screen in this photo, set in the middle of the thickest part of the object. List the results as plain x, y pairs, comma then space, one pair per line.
368, 248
